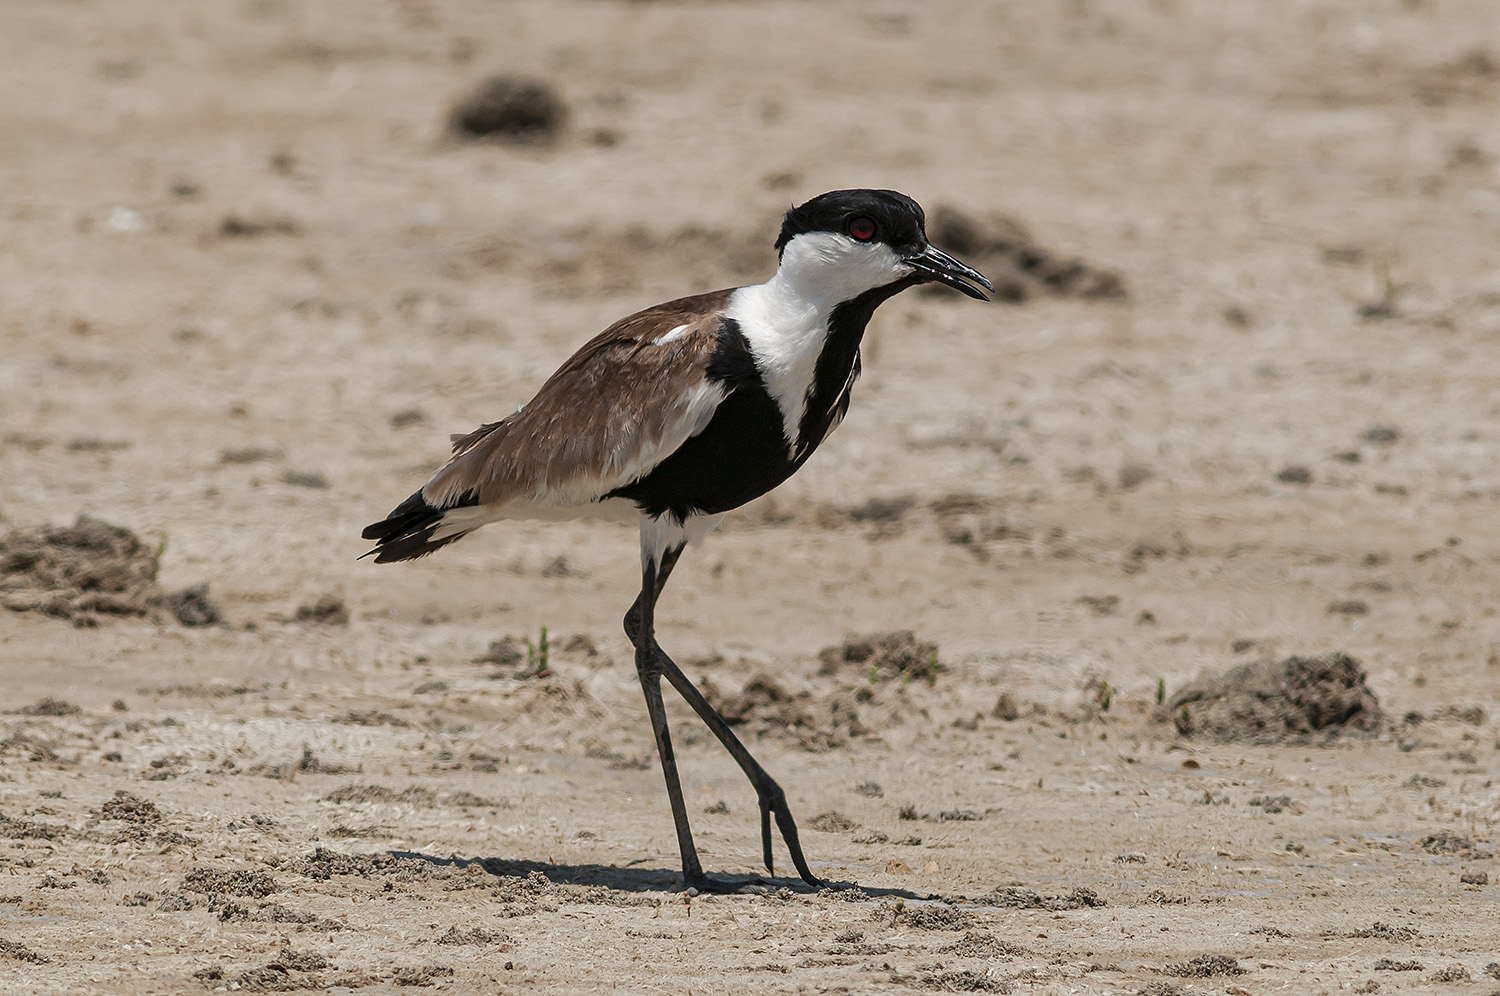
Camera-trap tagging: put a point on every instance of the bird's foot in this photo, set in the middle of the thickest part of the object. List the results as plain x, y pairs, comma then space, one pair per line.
774, 803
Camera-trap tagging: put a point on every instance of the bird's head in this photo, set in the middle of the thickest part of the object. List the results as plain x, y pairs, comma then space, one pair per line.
846, 242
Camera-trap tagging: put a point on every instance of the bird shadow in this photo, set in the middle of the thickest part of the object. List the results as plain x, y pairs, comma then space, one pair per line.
640, 880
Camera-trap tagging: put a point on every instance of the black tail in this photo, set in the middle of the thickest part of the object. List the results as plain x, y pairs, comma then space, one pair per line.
406, 533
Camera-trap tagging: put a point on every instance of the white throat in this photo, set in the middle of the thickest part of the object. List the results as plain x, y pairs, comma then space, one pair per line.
785, 319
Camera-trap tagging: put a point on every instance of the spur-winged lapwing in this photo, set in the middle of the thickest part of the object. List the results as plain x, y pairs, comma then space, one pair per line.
682, 412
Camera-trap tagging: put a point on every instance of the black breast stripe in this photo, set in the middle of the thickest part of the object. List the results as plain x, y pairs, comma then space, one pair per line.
739, 456
838, 365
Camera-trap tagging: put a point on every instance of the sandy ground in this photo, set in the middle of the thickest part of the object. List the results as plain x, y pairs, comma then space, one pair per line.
248, 286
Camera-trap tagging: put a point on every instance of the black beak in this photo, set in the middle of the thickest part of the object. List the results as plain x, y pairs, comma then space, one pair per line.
935, 265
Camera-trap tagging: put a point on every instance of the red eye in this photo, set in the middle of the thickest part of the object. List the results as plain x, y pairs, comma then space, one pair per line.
862, 228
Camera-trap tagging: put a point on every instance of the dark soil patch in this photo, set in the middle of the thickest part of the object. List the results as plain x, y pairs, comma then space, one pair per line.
1275, 701
271, 979
323, 864
885, 516
191, 606
1020, 269
16, 829
1273, 803
424, 975
308, 764
935, 917
510, 108
415, 795
230, 882
238, 226
232, 912
832, 822
1012, 897
478, 935
468, 800
370, 717
1446, 842
964, 980
765, 707
86, 571
975, 944
1206, 966
897, 654
129, 808
1473, 715
51, 707
325, 610
20, 952
1386, 932
299, 961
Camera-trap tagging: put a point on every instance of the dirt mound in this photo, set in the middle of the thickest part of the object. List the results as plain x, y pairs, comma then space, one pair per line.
511, 109
1020, 269
1272, 701
898, 654
129, 808
766, 708
1017, 898
88, 570
230, 882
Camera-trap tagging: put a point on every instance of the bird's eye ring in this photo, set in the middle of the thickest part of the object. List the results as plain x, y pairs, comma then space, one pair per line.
862, 228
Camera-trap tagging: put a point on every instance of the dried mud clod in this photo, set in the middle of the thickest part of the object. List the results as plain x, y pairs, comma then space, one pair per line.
1206, 966
20, 952
1447, 842
478, 935
289, 970
325, 610
423, 975
51, 707
511, 109
962, 980
89, 570
191, 606
129, 808
832, 821
897, 654
1275, 701
766, 708
1385, 932
1020, 269
415, 795
254, 883
977, 944
1014, 897
935, 916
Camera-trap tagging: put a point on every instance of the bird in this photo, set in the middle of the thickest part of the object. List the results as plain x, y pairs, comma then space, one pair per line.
680, 413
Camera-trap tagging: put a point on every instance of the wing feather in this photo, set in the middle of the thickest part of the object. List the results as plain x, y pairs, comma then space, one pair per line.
622, 403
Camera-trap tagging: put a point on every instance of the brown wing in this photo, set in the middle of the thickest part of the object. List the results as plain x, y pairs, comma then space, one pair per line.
619, 405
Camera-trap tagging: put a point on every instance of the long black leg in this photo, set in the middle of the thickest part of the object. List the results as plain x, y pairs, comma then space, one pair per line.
648, 669
772, 798
638, 623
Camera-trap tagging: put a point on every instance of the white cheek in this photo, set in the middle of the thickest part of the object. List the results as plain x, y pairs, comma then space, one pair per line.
833, 267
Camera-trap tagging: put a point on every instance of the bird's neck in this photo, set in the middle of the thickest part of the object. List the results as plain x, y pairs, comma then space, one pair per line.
790, 322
